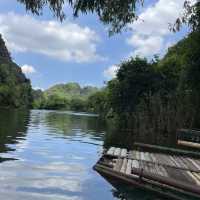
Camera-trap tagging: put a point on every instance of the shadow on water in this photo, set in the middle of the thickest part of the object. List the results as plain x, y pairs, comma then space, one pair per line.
118, 136
13, 127
122, 191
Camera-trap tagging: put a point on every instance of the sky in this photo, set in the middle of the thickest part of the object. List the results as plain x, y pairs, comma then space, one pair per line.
80, 50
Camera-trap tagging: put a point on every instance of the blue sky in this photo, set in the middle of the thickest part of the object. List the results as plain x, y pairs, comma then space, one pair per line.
80, 50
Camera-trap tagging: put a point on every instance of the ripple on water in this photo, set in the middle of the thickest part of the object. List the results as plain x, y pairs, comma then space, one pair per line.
55, 153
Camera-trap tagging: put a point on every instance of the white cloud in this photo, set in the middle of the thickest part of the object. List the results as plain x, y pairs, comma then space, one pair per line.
110, 72
152, 28
38, 88
66, 42
145, 46
28, 69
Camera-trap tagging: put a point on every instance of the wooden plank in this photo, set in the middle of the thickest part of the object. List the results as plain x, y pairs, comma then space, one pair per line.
160, 159
147, 156
157, 170
150, 158
194, 178
132, 154
142, 157
118, 164
123, 169
111, 151
189, 176
177, 162
142, 164
129, 166
168, 160
173, 162
165, 159
176, 174
117, 152
197, 161
152, 168
189, 164
180, 163
197, 175
163, 171
194, 163
146, 166
135, 164
123, 153
137, 155
153, 157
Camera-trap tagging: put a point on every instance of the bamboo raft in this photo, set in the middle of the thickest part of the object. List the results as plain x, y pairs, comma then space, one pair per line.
174, 176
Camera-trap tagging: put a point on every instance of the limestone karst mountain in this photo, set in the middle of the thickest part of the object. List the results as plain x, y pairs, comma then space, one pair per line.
4, 53
15, 88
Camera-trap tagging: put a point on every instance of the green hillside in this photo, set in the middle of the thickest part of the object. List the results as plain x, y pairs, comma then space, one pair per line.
70, 96
70, 90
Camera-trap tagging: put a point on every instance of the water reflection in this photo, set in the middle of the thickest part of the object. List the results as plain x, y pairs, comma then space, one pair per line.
55, 153
13, 127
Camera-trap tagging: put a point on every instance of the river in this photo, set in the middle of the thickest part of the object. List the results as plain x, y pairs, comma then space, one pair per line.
49, 155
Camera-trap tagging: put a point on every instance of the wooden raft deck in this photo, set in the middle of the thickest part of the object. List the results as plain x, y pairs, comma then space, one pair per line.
177, 173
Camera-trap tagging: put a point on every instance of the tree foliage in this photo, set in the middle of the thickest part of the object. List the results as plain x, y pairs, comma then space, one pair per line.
150, 100
98, 103
190, 16
136, 79
70, 96
15, 88
115, 13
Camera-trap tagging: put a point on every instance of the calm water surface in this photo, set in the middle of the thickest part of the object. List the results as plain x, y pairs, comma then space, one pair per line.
49, 155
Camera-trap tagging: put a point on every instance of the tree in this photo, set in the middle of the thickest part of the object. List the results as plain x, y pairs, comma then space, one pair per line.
55, 101
116, 13
136, 80
15, 88
78, 104
98, 102
190, 17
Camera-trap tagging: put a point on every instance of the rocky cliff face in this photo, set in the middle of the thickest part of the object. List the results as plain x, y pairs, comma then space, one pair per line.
15, 88
4, 53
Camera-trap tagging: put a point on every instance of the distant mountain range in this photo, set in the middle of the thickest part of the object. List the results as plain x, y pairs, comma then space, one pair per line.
70, 96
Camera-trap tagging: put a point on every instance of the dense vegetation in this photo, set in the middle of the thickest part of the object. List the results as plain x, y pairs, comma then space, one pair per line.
150, 100
15, 88
70, 96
